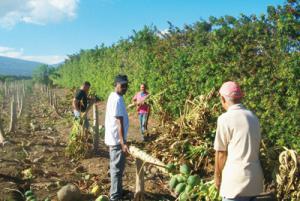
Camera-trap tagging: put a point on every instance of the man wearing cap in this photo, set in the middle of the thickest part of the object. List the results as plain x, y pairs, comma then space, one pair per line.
116, 127
238, 173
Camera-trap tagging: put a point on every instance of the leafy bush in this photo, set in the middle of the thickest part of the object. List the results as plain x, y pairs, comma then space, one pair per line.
259, 52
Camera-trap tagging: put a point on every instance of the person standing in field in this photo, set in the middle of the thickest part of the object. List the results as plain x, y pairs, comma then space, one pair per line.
116, 128
80, 105
80, 102
143, 108
238, 173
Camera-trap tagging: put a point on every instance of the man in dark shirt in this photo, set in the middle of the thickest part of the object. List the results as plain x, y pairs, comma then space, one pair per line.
80, 101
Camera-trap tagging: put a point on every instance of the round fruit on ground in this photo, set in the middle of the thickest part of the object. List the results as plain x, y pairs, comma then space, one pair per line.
180, 188
183, 196
173, 182
171, 167
181, 178
193, 180
184, 169
188, 188
102, 198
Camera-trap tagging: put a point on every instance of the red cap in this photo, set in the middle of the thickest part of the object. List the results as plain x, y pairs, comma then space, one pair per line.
231, 89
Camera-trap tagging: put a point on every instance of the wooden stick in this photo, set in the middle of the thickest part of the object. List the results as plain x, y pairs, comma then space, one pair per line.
21, 107
50, 98
140, 182
18, 99
23, 88
54, 101
13, 116
2, 133
96, 127
5, 89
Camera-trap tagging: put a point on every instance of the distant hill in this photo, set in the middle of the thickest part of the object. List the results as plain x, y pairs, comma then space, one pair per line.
11, 66
58, 64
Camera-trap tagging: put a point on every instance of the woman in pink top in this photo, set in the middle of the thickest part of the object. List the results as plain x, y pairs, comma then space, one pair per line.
142, 107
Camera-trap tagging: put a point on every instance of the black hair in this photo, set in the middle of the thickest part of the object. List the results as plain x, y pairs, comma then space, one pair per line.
86, 83
145, 85
120, 78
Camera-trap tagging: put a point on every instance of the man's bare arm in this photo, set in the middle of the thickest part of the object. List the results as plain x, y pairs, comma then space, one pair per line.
220, 160
120, 121
75, 104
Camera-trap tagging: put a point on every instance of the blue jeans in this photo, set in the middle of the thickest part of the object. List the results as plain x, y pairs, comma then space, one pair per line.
240, 199
143, 122
117, 166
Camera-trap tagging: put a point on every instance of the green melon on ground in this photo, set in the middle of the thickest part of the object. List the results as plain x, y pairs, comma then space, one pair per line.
171, 167
183, 197
193, 180
180, 188
188, 188
102, 198
181, 178
185, 169
173, 182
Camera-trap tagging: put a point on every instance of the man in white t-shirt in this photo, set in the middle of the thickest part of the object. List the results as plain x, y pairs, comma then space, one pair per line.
238, 173
116, 127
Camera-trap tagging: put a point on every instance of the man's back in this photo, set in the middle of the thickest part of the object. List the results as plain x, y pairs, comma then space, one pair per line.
81, 97
238, 133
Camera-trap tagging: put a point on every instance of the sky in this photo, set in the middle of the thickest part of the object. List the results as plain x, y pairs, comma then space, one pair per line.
49, 30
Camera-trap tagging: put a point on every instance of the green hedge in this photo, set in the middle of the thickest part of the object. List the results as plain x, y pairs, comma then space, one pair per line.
259, 52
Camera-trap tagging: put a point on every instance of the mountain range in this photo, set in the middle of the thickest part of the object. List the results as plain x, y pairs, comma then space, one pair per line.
18, 67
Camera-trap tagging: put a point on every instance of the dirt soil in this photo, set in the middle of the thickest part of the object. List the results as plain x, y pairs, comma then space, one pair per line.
38, 147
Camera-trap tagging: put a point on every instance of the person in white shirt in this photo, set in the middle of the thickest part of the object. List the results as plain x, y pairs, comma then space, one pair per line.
238, 173
116, 128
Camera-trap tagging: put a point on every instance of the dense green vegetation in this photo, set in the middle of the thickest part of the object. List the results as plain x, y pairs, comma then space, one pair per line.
42, 74
8, 78
260, 52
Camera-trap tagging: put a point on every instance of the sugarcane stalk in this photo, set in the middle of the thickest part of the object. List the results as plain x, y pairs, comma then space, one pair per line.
137, 153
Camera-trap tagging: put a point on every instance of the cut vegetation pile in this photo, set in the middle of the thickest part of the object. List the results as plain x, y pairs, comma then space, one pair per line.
188, 139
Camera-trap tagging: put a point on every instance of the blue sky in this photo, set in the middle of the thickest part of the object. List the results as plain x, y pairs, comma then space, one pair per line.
48, 30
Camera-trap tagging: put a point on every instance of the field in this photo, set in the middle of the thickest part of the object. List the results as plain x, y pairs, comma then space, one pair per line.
183, 69
42, 151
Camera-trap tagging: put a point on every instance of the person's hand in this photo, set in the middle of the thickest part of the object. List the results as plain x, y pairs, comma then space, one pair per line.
1, 140
139, 103
125, 149
218, 180
76, 114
